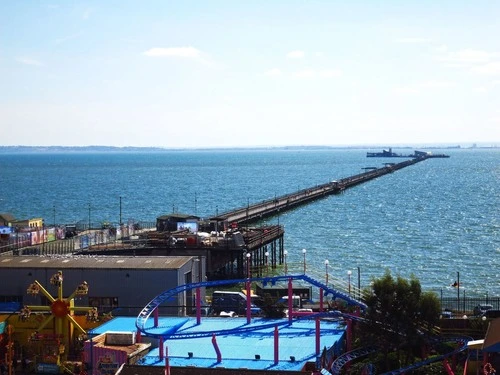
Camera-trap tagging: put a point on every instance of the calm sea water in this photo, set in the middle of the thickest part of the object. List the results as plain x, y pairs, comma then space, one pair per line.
433, 219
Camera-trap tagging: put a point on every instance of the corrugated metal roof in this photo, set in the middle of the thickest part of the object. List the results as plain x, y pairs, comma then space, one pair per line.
100, 262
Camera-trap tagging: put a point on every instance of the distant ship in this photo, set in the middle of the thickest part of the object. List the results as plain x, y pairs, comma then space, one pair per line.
416, 154
384, 154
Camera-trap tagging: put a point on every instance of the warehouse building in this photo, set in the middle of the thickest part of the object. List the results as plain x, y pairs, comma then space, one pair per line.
119, 284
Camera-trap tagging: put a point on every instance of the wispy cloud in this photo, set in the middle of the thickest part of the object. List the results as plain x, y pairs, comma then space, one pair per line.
183, 52
312, 73
295, 54
86, 14
477, 61
467, 56
29, 61
68, 38
422, 87
413, 40
275, 72
492, 68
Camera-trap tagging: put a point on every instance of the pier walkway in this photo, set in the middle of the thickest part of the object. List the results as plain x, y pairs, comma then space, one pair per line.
271, 207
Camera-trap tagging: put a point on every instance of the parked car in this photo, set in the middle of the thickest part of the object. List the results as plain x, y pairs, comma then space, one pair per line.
481, 309
204, 309
491, 314
228, 301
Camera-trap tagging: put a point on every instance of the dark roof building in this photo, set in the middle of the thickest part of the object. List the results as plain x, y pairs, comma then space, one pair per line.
124, 284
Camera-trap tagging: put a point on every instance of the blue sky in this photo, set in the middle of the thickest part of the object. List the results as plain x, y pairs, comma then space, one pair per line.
249, 73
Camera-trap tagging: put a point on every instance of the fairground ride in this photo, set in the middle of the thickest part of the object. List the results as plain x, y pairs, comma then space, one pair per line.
55, 346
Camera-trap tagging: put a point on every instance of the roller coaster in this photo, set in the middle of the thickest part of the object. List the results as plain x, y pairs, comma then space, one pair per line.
333, 368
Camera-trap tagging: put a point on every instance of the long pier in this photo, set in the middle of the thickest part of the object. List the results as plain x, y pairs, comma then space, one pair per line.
225, 256
271, 207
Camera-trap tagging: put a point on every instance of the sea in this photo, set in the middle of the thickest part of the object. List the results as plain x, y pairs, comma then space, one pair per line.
437, 220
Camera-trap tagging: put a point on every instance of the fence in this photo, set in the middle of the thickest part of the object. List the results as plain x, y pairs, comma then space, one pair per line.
466, 305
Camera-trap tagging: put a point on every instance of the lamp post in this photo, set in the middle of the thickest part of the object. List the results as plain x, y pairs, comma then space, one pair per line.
285, 253
267, 263
304, 251
248, 291
120, 212
326, 271
89, 217
248, 265
54, 212
349, 273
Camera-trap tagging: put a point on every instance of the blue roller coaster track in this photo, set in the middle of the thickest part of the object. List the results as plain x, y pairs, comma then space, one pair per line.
335, 367
146, 312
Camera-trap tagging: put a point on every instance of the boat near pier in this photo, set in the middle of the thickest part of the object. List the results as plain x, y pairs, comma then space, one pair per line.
416, 154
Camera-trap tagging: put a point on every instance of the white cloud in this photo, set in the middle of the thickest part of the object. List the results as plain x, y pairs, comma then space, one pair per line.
467, 56
311, 73
490, 68
184, 52
480, 89
435, 84
405, 90
28, 61
275, 72
306, 73
413, 40
422, 86
441, 49
86, 14
67, 38
330, 73
295, 54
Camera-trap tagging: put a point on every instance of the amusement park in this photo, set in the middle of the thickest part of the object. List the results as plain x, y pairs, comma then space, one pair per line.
303, 321
218, 296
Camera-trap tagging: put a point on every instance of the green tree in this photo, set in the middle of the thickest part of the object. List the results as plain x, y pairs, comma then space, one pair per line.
399, 318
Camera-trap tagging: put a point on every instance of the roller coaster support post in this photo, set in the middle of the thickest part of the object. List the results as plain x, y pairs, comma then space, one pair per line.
276, 345
138, 336
160, 344
217, 350
349, 335
156, 314
198, 306
290, 300
167, 362
318, 335
320, 300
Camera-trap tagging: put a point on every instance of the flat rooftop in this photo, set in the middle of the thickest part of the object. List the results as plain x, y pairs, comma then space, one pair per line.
242, 345
94, 261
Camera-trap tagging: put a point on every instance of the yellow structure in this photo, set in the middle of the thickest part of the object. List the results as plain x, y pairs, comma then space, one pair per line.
61, 315
35, 223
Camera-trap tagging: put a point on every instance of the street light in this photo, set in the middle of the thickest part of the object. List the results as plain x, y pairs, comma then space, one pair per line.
304, 251
285, 253
326, 270
349, 273
267, 264
248, 265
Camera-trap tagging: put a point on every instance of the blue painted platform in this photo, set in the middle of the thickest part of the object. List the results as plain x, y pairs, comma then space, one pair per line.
238, 347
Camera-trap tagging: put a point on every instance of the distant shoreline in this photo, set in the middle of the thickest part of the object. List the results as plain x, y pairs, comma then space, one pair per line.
55, 149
